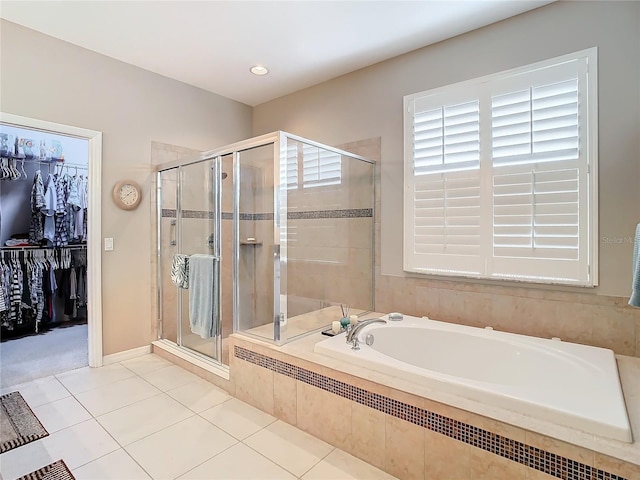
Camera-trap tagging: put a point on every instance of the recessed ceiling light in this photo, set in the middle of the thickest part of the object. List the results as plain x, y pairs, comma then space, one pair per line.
259, 70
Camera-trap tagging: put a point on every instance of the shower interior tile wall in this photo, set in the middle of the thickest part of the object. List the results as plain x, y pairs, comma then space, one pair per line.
330, 259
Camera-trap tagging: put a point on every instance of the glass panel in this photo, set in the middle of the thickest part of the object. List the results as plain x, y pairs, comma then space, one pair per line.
168, 180
256, 242
197, 236
329, 236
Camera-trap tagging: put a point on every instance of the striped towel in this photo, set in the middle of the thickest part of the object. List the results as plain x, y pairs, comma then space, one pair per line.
180, 270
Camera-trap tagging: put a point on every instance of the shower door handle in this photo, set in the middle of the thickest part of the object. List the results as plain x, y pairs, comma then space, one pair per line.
172, 234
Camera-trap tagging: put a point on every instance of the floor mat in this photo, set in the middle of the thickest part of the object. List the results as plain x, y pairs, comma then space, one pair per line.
18, 424
54, 471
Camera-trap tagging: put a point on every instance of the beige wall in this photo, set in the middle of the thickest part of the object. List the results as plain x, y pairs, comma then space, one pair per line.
48, 79
368, 103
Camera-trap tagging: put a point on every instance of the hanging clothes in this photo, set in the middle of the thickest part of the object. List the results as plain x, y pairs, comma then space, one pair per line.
31, 280
81, 220
36, 228
49, 209
61, 238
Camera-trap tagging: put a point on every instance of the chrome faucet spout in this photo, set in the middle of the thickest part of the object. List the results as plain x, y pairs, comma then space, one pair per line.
352, 333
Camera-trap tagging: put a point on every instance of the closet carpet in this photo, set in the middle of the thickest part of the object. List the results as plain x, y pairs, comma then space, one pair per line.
56, 351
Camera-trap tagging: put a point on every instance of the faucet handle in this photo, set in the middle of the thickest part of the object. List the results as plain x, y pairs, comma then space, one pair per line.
347, 331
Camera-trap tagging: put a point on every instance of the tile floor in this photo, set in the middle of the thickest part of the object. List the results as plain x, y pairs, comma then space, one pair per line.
147, 418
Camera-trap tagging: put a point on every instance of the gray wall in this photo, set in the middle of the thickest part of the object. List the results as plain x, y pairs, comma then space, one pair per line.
368, 103
52, 80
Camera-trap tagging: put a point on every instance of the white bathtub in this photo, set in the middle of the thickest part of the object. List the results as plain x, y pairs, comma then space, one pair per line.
565, 383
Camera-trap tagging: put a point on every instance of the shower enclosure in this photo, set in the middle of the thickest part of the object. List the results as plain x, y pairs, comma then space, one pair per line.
284, 228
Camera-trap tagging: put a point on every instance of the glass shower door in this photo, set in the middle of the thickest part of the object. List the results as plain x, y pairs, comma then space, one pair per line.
199, 237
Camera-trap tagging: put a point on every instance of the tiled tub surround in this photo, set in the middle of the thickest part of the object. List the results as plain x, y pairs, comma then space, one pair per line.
417, 432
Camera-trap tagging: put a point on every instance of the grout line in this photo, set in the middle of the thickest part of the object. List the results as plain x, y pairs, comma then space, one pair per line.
214, 456
268, 459
322, 459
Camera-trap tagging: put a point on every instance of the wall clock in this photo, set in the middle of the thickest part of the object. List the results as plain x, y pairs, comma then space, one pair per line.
127, 194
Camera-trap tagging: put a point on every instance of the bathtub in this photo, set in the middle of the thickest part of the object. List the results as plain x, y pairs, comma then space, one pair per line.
565, 383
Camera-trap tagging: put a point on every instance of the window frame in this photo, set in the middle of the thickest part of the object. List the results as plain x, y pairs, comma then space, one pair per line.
484, 89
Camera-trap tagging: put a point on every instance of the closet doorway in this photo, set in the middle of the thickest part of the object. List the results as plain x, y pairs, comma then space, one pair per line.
50, 248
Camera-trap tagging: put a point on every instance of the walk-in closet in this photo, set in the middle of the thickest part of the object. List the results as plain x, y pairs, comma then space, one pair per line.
43, 253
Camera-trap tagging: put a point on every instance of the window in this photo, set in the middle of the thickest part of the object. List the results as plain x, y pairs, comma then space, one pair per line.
319, 167
500, 175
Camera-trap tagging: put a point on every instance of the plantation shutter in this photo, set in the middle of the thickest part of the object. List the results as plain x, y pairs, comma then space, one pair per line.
289, 176
445, 211
500, 185
320, 167
539, 217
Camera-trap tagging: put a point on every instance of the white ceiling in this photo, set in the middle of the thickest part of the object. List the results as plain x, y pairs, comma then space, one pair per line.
212, 44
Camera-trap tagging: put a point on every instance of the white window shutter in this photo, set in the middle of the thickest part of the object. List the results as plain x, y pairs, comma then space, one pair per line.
445, 211
289, 176
320, 167
502, 187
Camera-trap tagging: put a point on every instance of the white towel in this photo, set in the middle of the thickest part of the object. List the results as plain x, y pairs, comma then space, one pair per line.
634, 301
203, 285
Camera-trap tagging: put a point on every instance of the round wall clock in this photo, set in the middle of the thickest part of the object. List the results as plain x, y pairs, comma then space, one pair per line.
127, 194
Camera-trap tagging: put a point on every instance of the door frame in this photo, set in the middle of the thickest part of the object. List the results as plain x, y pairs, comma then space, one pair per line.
94, 222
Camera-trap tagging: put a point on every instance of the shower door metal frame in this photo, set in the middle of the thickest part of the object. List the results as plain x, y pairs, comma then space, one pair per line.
216, 186
216, 189
279, 141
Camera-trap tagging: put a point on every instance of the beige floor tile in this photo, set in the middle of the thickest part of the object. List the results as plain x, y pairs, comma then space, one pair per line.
146, 363
24, 459
238, 418
289, 447
61, 414
339, 465
117, 465
169, 378
199, 395
80, 444
88, 378
143, 418
116, 395
40, 391
179, 448
238, 463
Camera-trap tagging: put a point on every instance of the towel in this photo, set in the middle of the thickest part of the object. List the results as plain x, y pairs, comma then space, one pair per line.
180, 270
634, 301
203, 297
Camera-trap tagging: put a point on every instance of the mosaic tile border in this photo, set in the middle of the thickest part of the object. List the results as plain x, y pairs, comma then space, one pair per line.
306, 215
547, 462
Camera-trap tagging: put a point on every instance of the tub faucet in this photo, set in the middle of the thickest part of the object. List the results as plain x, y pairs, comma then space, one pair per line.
352, 332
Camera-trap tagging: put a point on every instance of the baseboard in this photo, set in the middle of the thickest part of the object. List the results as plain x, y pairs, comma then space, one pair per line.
126, 355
